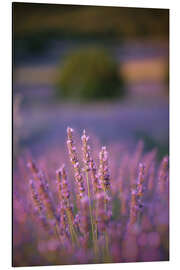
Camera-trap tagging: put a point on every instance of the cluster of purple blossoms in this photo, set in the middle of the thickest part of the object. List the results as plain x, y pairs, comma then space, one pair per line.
94, 216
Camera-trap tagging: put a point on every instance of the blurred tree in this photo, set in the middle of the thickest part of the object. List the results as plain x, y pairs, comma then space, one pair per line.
90, 74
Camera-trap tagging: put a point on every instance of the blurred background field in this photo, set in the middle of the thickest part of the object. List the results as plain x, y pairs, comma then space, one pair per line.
137, 41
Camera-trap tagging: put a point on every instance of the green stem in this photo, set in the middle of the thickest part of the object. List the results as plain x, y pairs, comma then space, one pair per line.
107, 247
57, 232
90, 211
71, 228
105, 234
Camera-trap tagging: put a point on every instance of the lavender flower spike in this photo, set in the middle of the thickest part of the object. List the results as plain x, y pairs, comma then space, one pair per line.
141, 179
163, 174
43, 190
63, 185
74, 160
104, 175
133, 207
39, 207
94, 176
86, 151
66, 212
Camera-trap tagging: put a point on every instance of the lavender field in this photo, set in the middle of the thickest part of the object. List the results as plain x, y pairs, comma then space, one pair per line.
132, 213
111, 207
90, 135
126, 121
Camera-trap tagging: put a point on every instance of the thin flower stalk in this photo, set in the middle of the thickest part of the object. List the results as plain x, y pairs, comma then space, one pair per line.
96, 189
84, 221
151, 178
87, 159
133, 207
102, 196
103, 218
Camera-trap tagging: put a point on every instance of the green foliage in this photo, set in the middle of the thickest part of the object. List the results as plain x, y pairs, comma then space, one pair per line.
89, 74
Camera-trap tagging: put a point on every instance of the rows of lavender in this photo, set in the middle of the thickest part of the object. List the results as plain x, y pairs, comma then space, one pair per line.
103, 208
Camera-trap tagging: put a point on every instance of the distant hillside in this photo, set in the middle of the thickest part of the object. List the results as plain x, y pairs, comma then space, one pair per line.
90, 21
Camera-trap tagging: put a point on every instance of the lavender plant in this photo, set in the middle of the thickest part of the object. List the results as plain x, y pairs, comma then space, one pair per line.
93, 215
